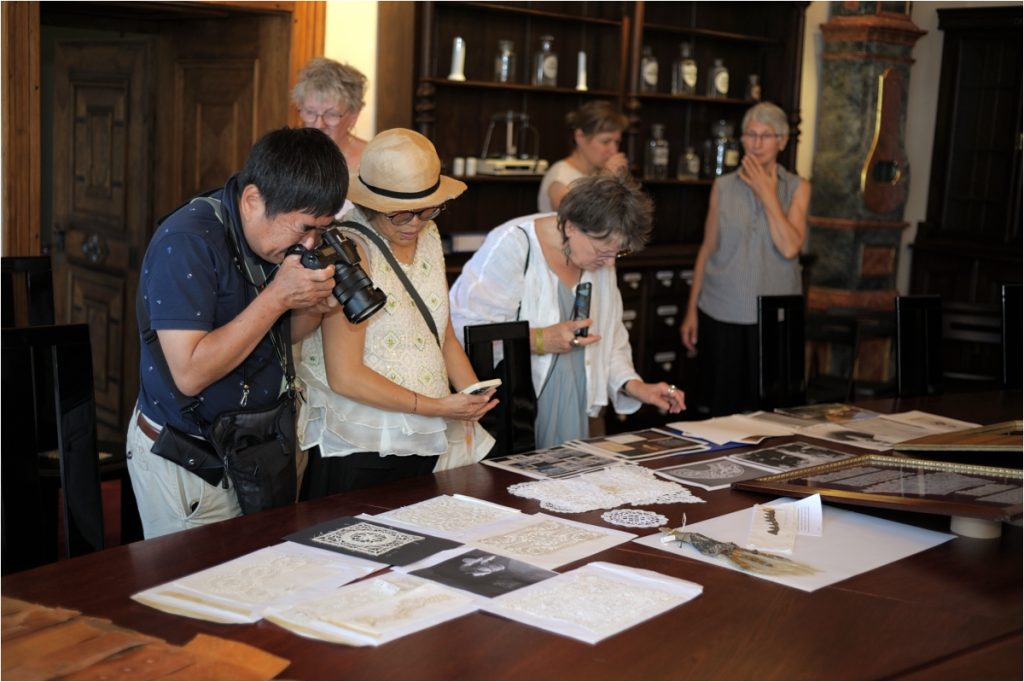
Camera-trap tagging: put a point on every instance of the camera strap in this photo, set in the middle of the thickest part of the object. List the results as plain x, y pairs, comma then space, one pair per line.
399, 271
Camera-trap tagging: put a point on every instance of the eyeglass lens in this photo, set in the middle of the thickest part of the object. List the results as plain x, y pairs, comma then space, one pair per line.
331, 118
405, 217
764, 137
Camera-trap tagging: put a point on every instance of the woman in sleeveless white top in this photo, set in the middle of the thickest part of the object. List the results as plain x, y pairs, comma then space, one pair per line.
596, 129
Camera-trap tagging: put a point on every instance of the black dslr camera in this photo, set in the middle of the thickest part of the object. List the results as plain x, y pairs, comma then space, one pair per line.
352, 286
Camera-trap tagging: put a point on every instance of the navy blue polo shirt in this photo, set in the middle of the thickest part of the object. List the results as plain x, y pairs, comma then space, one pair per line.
189, 280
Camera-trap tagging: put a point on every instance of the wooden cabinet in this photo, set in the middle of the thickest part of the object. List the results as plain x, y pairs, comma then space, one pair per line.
970, 242
763, 38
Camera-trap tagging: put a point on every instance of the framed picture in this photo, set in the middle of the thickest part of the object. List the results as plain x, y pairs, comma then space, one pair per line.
905, 484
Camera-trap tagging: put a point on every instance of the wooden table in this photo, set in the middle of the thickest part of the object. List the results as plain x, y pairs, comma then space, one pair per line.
951, 612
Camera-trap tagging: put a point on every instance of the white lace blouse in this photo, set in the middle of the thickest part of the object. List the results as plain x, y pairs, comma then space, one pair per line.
400, 347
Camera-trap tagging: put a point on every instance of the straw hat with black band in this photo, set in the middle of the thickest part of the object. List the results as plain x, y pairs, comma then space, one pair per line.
400, 171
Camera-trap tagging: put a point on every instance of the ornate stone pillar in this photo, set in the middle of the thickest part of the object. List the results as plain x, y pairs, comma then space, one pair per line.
860, 168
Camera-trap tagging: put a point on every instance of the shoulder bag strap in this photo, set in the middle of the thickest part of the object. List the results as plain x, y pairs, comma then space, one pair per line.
375, 238
526, 264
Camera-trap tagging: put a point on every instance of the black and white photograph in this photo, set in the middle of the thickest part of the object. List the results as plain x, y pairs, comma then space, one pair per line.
484, 573
556, 462
712, 474
642, 445
791, 456
371, 540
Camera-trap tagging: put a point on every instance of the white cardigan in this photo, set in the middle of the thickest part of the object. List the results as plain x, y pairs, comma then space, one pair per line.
492, 286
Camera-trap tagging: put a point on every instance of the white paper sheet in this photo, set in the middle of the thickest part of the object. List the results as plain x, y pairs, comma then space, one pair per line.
735, 428
547, 541
374, 611
595, 601
851, 543
455, 517
239, 590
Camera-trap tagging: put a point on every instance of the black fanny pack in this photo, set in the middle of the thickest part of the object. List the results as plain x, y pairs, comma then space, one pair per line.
257, 448
254, 448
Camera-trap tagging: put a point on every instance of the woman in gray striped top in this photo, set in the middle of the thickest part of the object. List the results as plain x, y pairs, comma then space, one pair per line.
755, 228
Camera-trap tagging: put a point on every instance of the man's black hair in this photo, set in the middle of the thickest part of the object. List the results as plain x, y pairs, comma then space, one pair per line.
297, 169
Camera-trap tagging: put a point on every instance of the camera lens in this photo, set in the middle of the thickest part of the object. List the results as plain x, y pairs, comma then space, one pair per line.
355, 292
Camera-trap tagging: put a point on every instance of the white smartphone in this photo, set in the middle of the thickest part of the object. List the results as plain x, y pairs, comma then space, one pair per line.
480, 386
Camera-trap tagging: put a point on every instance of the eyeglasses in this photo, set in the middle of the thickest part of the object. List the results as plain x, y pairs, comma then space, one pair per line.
399, 218
763, 137
331, 118
604, 255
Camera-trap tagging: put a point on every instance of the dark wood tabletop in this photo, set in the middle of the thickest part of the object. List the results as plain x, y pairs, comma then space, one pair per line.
951, 612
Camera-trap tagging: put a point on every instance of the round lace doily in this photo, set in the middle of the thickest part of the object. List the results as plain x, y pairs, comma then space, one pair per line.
635, 518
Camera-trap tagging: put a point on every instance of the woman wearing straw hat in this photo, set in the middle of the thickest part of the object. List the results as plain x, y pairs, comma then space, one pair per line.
378, 402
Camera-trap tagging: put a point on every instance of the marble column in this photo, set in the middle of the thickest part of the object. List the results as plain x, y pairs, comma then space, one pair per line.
860, 171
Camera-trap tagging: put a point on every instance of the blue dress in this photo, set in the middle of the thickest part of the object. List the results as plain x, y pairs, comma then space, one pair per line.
562, 404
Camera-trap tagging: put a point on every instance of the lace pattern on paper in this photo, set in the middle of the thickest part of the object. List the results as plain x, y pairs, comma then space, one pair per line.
715, 471
378, 604
540, 539
634, 518
366, 538
448, 514
593, 602
605, 489
262, 577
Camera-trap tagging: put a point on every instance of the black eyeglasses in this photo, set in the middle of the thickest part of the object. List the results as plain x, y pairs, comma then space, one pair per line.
399, 218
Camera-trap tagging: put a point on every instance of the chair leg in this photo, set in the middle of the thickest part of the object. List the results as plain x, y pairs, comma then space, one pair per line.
131, 523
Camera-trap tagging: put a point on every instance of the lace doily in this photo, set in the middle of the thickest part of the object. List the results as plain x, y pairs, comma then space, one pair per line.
609, 488
635, 518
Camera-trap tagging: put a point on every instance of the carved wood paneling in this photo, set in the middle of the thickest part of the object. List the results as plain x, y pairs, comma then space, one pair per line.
215, 122
99, 146
99, 300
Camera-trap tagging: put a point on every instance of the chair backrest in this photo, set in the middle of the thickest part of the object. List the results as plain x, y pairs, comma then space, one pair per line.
49, 404
918, 345
780, 351
513, 421
1012, 335
834, 343
27, 291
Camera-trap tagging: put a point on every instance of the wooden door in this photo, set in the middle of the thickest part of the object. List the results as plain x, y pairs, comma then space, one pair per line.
140, 126
102, 204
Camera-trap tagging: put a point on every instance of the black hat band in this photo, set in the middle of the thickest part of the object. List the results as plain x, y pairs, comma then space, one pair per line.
401, 195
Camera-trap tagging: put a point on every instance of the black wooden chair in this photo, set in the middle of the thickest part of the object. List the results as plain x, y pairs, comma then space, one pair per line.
780, 351
512, 422
918, 345
49, 407
1012, 335
834, 343
28, 302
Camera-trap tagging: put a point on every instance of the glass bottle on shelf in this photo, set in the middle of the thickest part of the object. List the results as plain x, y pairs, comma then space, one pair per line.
545, 63
689, 165
684, 72
753, 87
718, 80
656, 159
648, 71
505, 62
721, 152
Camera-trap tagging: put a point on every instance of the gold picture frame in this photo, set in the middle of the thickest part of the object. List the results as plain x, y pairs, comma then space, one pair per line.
905, 484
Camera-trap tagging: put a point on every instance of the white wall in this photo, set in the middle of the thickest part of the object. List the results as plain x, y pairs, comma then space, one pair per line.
351, 37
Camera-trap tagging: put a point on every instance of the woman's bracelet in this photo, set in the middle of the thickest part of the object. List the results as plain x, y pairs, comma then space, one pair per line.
415, 401
538, 341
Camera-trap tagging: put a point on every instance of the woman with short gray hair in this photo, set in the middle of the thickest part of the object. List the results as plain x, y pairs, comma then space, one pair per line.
755, 228
329, 96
